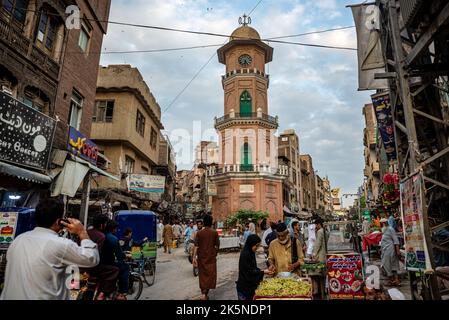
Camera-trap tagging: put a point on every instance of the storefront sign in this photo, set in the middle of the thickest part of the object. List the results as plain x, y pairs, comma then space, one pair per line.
8, 228
345, 276
146, 183
246, 188
211, 189
82, 147
412, 195
382, 108
26, 135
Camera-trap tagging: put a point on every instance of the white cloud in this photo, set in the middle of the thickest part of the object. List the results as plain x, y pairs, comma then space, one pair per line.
311, 90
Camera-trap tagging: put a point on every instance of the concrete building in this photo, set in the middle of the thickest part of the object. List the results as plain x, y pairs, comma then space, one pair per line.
328, 204
372, 170
53, 70
248, 176
127, 129
289, 155
308, 184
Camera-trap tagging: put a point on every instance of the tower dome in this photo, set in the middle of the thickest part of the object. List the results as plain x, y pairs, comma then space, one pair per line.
245, 32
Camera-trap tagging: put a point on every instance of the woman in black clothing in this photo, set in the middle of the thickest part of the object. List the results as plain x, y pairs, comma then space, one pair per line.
249, 274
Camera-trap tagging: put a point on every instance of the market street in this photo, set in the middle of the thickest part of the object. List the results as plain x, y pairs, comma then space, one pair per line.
175, 280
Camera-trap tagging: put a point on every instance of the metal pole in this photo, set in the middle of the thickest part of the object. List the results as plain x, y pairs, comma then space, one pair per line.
85, 200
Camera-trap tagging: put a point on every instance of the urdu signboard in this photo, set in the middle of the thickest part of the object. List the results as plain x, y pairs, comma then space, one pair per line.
26, 135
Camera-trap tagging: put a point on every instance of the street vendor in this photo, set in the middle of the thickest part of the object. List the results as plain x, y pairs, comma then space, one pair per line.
285, 253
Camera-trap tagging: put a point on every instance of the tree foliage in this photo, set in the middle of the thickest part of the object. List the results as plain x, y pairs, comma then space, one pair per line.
244, 215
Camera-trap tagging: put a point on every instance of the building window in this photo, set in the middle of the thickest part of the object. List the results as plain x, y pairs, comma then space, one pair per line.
85, 36
144, 170
46, 30
16, 9
103, 111
76, 110
294, 176
246, 158
153, 138
140, 123
245, 104
129, 165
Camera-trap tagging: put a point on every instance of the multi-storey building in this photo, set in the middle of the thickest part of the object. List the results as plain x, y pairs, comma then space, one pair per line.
372, 170
52, 70
248, 176
308, 199
289, 155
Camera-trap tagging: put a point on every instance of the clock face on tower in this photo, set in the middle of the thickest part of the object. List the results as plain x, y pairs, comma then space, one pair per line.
245, 60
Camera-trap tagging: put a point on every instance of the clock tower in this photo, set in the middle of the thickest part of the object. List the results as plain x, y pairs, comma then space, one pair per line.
248, 176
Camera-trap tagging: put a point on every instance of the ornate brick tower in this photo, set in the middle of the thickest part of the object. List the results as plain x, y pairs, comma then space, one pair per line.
248, 176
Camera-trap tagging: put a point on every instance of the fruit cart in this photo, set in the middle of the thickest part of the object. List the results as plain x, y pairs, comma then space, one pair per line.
316, 271
285, 288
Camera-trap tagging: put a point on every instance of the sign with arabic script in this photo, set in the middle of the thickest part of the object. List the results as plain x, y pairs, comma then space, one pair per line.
345, 276
82, 147
26, 135
382, 108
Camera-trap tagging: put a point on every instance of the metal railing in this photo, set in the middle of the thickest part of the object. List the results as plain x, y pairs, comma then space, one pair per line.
15, 38
248, 168
249, 116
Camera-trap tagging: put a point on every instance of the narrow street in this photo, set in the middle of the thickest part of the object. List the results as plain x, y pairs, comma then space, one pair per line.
175, 279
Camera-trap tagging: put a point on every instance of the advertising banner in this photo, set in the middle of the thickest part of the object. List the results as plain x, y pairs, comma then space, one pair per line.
382, 109
146, 183
26, 135
369, 48
82, 147
412, 202
8, 226
345, 276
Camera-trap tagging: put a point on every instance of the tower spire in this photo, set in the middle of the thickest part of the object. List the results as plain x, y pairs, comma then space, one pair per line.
245, 20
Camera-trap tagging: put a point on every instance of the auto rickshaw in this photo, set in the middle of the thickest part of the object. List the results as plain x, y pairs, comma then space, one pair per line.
144, 240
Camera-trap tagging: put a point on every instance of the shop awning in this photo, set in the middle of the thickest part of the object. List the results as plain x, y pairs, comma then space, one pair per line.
95, 168
24, 174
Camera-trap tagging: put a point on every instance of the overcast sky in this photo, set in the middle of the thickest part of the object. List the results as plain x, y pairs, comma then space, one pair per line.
312, 90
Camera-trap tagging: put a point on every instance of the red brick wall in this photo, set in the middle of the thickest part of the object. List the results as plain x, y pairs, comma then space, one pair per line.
79, 71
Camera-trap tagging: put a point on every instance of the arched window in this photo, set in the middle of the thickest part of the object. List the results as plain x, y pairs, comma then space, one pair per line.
246, 164
245, 104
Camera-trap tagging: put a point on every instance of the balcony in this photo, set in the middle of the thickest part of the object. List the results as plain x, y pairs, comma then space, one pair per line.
245, 71
375, 168
246, 118
247, 168
14, 38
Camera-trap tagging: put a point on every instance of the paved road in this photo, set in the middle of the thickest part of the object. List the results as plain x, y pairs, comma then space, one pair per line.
175, 279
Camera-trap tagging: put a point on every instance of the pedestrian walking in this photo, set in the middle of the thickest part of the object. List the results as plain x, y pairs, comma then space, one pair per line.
319, 249
167, 236
37, 260
160, 230
207, 244
391, 253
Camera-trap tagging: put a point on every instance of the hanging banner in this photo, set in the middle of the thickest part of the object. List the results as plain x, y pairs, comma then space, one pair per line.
382, 109
146, 183
80, 146
412, 206
26, 135
211, 189
369, 48
345, 276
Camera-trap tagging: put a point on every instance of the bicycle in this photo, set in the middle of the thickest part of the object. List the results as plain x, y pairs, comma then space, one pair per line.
145, 266
89, 286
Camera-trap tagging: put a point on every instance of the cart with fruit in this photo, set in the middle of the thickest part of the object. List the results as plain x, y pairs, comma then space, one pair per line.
284, 288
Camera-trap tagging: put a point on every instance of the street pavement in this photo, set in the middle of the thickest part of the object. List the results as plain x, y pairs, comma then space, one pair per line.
175, 279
